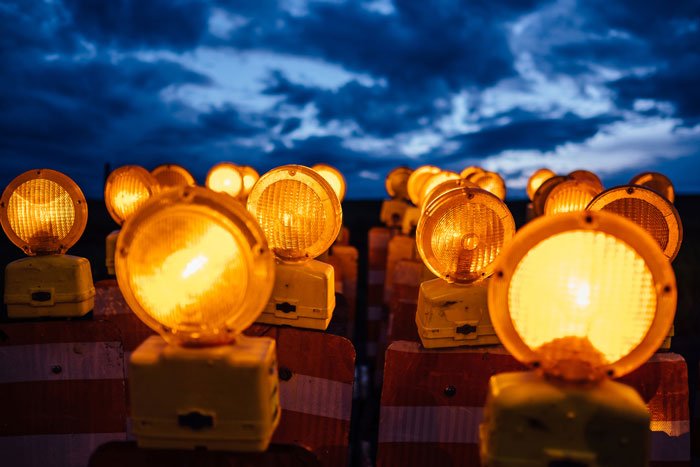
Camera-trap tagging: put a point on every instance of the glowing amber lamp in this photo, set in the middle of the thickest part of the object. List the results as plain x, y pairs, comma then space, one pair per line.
648, 209
570, 196
196, 268
394, 209
657, 182
459, 236
540, 197
491, 182
334, 178
172, 176
225, 177
250, 176
44, 213
587, 176
126, 190
432, 182
471, 170
417, 179
536, 180
583, 297
301, 217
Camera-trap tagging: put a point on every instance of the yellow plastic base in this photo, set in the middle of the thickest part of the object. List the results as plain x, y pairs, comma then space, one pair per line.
400, 247
451, 315
110, 248
49, 286
666, 345
392, 212
530, 421
221, 398
303, 296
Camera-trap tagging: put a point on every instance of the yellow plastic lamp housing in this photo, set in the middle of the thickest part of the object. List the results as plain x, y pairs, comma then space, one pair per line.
657, 182
225, 177
298, 211
172, 176
460, 234
432, 183
649, 210
582, 296
491, 182
250, 176
43, 212
127, 189
396, 182
416, 180
334, 178
540, 197
471, 170
570, 196
586, 175
194, 266
536, 179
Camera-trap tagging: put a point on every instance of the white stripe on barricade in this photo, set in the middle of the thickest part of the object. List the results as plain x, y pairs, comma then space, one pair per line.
317, 396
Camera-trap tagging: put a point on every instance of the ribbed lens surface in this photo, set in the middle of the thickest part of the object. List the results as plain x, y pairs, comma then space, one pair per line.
467, 238
570, 196
582, 296
187, 271
41, 213
644, 214
292, 216
169, 178
127, 193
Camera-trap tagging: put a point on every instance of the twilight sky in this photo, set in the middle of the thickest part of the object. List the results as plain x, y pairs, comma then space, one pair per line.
510, 85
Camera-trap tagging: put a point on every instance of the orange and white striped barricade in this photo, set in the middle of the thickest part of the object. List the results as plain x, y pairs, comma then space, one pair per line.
126, 453
400, 247
62, 391
432, 404
378, 242
316, 372
348, 257
111, 306
663, 384
404, 301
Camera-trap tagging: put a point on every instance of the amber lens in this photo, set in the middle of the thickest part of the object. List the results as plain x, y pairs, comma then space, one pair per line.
225, 178
649, 210
334, 178
43, 211
417, 179
250, 176
491, 182
432, 183
396, 182
570, 196
298, 211
446, 186
171, 176
586, 175
186, 265
461, 233
657, 182
582, 295
536, 179
127, 189
543, 191
600, 298
471, 170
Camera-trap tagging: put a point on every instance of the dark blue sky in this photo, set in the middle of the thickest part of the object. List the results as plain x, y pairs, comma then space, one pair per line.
511, 85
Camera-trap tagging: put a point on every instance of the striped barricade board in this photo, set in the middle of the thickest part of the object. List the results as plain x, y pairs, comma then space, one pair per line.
404, 301
110, 306
62, 391
432, 404
348, 256
317, 372
378, 242
127, 454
